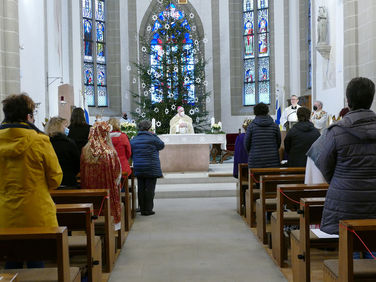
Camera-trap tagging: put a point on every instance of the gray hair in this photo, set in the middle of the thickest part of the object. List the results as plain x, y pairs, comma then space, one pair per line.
144, 125
321, 104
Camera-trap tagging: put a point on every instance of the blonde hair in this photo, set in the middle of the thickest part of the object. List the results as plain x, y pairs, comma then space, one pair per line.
115, 124
246, 123
55, 125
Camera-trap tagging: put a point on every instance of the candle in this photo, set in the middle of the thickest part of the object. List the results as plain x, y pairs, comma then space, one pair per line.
212, 121
177, 128
153, 123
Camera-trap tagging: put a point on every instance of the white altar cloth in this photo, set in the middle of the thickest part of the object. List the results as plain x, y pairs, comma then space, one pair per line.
188, 152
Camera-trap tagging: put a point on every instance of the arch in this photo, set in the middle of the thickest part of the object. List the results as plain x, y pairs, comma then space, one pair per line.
195, 33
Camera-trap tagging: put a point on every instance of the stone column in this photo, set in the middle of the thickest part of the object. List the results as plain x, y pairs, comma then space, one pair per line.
9, 49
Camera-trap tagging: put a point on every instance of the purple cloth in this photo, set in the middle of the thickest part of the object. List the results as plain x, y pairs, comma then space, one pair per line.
240, 154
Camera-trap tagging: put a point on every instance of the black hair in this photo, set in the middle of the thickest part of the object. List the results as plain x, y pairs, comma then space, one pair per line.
359, 93
17, 107
303, 114
261, 109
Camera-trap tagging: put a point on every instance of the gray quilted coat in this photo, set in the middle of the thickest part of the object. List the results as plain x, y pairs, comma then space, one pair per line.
346, 156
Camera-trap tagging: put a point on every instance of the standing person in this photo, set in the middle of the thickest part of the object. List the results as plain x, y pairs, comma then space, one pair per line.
262, 139
100, 167
345, 155
240, 154
65, 149
121, 145
319, 116
78, 128
290, 113
300, 138
29, 169
147, 168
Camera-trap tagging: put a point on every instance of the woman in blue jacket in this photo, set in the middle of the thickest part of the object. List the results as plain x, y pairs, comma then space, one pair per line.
147, 168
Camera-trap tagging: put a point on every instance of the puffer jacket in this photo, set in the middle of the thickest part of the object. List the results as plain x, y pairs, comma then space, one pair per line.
145, 152
346, 157
298, 141
28, 169
262, 142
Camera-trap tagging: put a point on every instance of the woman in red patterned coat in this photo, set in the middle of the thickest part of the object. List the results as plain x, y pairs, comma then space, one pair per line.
100, 167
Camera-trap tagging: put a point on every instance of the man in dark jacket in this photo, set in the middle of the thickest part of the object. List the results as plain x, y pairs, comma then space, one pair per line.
147, 168
300, 138
262, 139
346, 157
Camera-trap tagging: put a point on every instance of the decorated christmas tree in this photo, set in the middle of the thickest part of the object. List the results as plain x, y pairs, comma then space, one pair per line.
173, 71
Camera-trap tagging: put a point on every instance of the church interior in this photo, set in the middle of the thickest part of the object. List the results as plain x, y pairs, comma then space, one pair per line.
223, 189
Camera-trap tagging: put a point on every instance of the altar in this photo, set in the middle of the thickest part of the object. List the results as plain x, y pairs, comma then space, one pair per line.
188, 152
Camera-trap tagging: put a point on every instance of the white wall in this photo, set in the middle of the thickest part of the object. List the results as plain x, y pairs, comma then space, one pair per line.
329, 74
45, 57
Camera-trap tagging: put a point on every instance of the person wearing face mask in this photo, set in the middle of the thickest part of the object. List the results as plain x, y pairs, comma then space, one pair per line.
319, 117
181, 123
65, 149
290, 113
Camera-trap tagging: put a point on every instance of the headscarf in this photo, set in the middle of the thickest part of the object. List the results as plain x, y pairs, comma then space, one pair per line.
99, 142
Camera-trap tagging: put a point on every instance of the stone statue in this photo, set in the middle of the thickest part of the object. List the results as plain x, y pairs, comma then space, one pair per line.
322, 26
181, 123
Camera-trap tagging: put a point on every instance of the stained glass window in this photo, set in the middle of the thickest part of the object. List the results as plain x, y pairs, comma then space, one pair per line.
161, 51
94, 44
256, 52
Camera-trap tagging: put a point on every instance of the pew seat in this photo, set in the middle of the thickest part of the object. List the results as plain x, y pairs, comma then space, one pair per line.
44, 274
364, 269
289, 217
269, 203
80, 242
316, 242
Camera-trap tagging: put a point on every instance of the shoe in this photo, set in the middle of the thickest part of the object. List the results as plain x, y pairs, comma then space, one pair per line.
147, 213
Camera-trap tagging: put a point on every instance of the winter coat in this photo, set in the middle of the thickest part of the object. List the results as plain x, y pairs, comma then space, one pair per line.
123, 148
69, 158
29, 168
79, 134
298, 141
240, 154
145, 152
262, 141
346, 156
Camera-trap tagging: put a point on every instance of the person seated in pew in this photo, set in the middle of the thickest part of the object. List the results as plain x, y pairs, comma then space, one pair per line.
240, 154
29, 169
300, 138
78, 128
121, 145
65, 149
100, 167
147, 167
262, 139
345, 156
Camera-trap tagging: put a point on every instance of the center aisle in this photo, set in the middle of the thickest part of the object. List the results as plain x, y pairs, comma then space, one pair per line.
193, 239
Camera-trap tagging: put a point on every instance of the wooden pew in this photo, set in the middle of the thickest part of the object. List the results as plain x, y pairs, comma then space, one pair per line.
8, 277
252, 193
38, 243
280, 218
268, 201
79, 217
241, 186
303, 239
345, 268
100, 198
126, 199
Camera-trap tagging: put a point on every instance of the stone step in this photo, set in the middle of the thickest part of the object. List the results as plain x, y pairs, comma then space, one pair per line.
195, 190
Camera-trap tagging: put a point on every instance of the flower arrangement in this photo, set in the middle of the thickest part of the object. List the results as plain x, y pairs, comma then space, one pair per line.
217, 128
129, 128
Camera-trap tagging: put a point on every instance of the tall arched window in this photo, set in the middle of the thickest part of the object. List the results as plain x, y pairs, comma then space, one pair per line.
256, 54
94, 42
171, 35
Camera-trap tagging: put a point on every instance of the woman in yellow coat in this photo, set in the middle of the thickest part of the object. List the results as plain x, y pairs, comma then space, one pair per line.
29, 168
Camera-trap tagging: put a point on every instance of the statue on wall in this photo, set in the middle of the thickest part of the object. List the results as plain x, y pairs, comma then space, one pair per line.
322, 26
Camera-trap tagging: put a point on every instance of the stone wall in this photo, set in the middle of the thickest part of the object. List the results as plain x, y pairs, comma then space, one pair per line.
9, 49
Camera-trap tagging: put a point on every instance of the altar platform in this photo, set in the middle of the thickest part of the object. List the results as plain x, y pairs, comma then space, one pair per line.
188, 152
